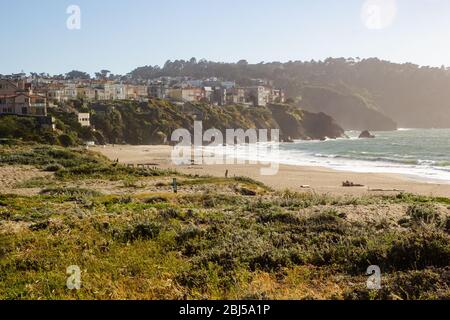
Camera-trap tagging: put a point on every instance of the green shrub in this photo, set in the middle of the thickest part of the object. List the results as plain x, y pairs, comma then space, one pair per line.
70, 192
428, 284
191, 240
325, 222
156, 199
447, 224
189, 233
419, 250
66, 141
138, 230
273, 215
250, 181
120, 200
247, 192
26, 129
423, 213
212, 199
271, 261
290, 199
40, 225
53, 167
172, 213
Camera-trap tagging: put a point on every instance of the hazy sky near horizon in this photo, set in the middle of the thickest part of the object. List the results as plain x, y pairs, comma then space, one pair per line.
120, 35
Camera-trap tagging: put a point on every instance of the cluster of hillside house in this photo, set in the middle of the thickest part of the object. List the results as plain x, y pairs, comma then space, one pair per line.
58, 91
22, 95
217, 92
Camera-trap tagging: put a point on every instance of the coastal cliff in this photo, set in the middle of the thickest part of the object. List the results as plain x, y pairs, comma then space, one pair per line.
296, 123
153, 122
351, 111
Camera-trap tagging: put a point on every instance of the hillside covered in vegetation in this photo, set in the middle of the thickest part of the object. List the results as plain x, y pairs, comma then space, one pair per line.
153, 122
410, 95
14, 128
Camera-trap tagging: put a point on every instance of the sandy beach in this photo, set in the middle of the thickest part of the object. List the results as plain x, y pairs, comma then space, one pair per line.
298, 178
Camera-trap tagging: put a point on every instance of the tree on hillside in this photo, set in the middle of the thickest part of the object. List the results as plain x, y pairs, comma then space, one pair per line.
102, 75
75, 74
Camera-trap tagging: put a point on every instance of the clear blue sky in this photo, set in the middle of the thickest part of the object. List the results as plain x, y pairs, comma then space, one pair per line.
120, 35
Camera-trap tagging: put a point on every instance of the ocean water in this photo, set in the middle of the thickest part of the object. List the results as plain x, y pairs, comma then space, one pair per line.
417, 153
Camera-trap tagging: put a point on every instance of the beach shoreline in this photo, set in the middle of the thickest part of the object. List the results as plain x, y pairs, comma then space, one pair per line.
298, 178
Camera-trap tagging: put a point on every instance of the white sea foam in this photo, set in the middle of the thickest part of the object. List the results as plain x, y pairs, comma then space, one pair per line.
422, 170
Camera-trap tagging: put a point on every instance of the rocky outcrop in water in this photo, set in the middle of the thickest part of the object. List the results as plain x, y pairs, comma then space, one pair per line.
366, 135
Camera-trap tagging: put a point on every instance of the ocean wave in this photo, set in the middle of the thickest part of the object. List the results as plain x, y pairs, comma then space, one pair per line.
330, 156
377, 158
413, 152
427, 170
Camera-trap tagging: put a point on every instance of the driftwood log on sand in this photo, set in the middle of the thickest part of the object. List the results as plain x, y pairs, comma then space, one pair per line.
351, 184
